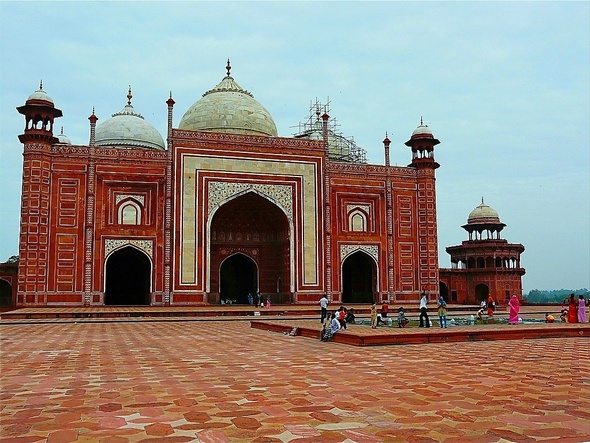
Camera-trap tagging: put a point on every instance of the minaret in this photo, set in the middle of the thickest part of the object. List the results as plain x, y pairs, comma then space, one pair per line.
33, 271
422, 143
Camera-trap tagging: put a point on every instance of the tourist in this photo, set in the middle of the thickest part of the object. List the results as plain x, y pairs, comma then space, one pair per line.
549, 318
268, 301
572, 309
491, 306
324, 307
334, 325
384, 310
250, 298
480, 313
373, 316
581, 309
350, 318
424, 312
514, 305
402, 321
442, 312
341, 315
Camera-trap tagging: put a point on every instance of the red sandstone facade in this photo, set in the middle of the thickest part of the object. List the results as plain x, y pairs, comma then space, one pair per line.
217, 214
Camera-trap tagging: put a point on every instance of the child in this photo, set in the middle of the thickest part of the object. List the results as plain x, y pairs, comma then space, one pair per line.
373, 316
402, 321
549, 318
442, 312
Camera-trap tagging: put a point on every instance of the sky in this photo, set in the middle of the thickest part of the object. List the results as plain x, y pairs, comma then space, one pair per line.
505, 87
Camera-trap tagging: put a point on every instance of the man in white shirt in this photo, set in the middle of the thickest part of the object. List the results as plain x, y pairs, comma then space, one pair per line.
423, 311
324, 306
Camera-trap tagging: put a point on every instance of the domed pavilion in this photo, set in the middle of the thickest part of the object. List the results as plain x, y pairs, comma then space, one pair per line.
485, 264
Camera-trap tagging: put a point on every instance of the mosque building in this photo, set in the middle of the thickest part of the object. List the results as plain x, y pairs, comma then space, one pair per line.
220, 208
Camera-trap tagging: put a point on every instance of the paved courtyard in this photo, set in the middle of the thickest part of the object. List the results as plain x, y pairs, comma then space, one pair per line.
221, 381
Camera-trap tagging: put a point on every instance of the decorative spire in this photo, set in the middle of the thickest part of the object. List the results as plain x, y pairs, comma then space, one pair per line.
129, 96
228, 67
421, 121
41, 85
62, 130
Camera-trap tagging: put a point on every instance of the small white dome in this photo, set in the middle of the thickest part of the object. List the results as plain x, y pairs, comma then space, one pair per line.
422, 129
63, 140
128, 129
483, 213
40, 95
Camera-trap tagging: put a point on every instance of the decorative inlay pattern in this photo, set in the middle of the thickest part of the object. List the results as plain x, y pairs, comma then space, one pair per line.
220, 192
146, 246
372, 250
139, 198
365, 208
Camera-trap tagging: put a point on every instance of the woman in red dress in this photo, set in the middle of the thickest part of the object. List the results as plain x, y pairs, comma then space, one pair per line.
572, 309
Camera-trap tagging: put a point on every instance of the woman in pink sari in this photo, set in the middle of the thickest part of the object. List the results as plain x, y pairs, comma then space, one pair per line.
514, 309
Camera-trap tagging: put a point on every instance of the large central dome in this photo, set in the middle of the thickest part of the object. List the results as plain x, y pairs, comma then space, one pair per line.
230, 109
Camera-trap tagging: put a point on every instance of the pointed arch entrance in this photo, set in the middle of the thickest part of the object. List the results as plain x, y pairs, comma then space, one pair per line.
482, 292
127, 278
5, 293
359, 277
250, 248
238, 277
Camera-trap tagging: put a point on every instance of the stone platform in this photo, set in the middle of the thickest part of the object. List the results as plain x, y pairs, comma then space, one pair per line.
363, 335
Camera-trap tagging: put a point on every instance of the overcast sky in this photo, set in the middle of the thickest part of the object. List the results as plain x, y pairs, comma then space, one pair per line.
503, 85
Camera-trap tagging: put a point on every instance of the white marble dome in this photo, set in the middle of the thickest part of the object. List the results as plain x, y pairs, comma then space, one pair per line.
63, 139
230, 109
40, 95
128, 129
483, 213
422, 130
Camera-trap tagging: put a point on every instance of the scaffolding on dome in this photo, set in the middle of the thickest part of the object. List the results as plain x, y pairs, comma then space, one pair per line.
340, 148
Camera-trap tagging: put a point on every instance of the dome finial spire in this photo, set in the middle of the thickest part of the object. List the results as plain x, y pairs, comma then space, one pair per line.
482, 199
41, 85
129, 96
228, 67
421, 121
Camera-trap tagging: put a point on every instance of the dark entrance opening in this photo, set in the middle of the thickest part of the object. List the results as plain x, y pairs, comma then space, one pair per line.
127, 278
5, 293
250, 225
358, 278
237, 279
481, 292
444, 291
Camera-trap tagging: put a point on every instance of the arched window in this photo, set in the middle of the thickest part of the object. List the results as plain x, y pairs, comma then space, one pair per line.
357, 221
129, 213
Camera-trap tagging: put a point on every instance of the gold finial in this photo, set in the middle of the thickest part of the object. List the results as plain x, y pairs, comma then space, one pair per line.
129, 96
41, 85
421, 121
62, 130
228, 67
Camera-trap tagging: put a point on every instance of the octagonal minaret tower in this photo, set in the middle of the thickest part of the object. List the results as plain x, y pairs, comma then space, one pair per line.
422, 143
40, 113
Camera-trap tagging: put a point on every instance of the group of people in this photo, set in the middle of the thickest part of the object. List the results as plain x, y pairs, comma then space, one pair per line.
574, 310
442, 312
257, 299
336, 321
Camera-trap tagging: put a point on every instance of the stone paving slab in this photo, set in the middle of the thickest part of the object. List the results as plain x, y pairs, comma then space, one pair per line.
220, 381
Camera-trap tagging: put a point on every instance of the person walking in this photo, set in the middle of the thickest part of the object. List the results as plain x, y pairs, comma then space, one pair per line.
373, 316
324, 306
581, 309
442, 312
424, 311
514, 306
572, 309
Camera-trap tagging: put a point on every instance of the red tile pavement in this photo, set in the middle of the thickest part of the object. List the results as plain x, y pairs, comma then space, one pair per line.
222, 381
